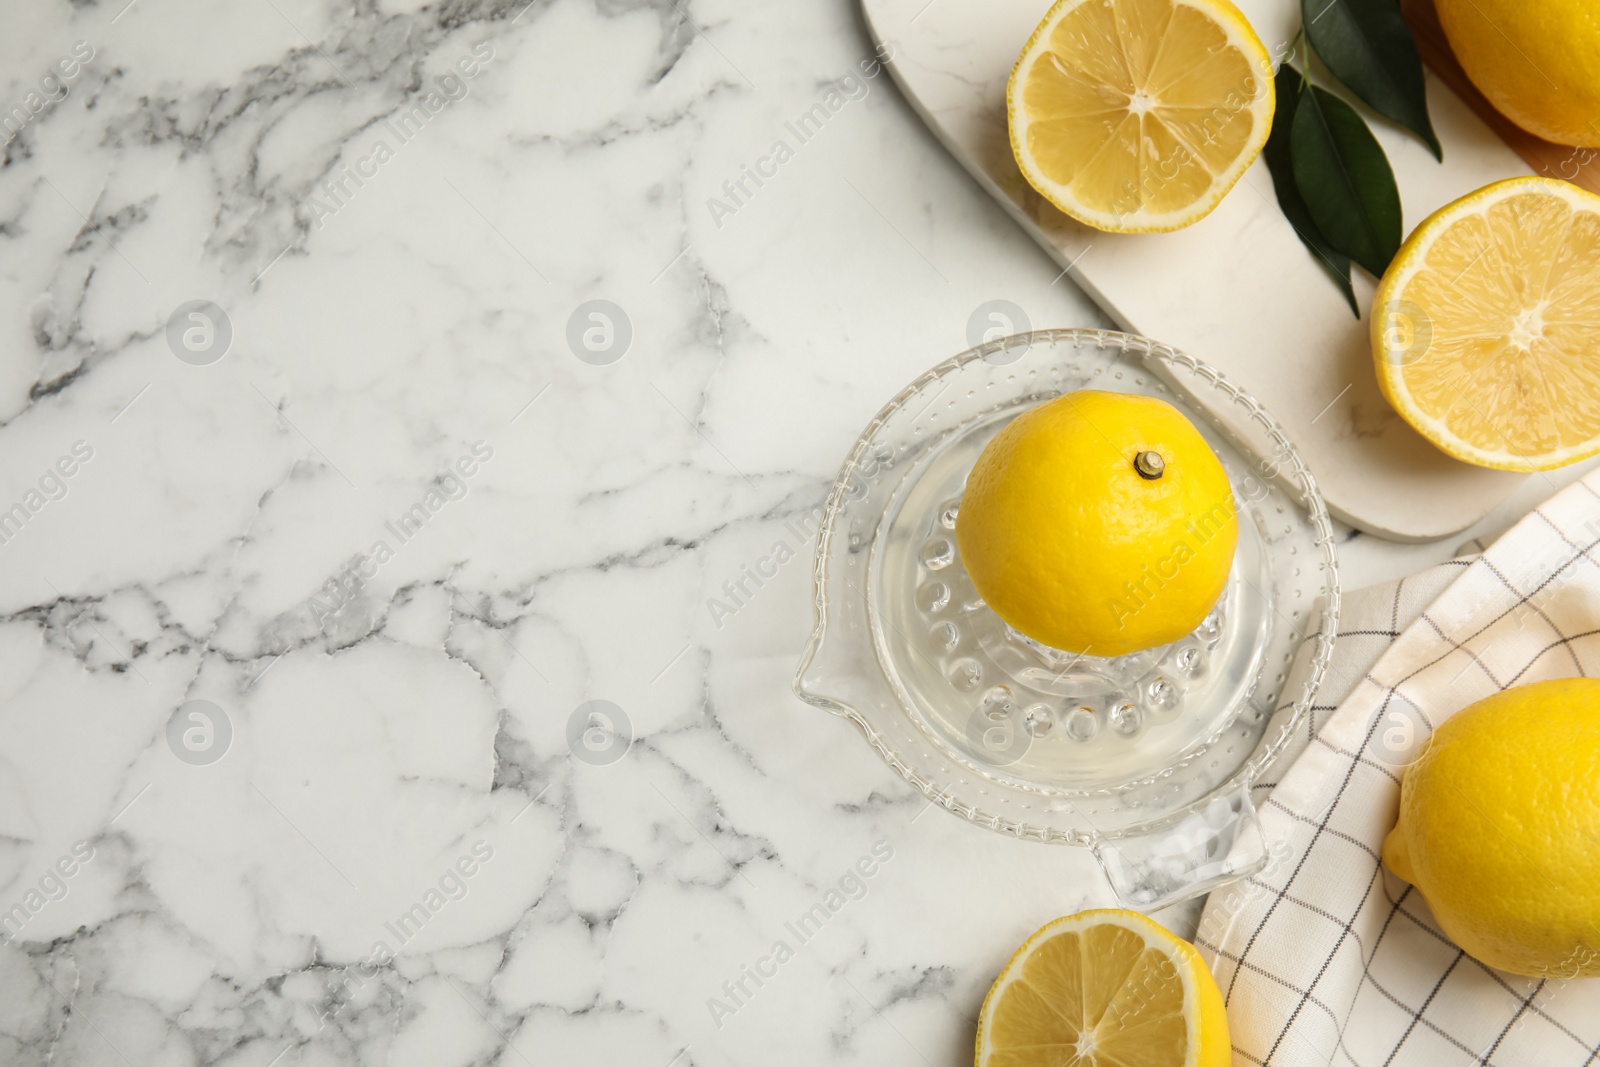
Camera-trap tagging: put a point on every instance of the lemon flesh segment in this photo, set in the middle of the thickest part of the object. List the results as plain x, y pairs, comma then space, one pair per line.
1139, 115
1487, 328
1108, 988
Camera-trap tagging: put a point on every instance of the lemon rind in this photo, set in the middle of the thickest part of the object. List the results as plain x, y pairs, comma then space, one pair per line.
1155, 936
1408, 261
1241, 34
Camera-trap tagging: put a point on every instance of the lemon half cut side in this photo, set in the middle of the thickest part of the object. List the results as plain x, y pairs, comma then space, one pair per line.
1138, 116
1104, 988
1486, 327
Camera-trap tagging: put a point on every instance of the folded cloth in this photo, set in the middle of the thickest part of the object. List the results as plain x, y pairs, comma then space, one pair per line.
1327, 957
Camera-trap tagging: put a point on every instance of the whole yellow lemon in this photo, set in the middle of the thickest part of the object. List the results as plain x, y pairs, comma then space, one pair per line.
1499, 829
1099, 523
1538, 61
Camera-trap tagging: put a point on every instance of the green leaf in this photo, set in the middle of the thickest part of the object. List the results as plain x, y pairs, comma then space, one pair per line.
1281, 166
1345, 180
1368, 46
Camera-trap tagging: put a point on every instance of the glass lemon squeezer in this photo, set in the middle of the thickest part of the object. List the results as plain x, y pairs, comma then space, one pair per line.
1146, 759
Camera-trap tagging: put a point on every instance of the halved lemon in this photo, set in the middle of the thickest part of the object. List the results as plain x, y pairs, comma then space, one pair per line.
1104, 988
1137, 116
1486, 327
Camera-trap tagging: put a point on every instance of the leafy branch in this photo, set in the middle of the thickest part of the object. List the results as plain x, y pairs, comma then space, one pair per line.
1333, 181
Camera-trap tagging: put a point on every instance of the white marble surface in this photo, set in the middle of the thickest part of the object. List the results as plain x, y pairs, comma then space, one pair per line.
399, 737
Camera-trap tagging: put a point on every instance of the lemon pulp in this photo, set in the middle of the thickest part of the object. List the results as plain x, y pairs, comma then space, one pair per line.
1486, 328
1139, 115
1104, 988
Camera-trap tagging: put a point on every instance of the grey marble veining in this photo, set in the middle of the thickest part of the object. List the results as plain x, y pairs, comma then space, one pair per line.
363, 694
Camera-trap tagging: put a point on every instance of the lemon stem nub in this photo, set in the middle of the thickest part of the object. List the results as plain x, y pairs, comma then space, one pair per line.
1150, 465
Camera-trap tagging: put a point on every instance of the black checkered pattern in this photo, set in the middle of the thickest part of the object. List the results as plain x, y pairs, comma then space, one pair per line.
1326, 957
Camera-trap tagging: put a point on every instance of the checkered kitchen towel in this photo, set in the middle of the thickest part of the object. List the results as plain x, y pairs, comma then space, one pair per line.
1326, 957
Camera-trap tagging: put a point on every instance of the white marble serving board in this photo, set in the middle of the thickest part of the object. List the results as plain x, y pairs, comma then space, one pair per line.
1236, 289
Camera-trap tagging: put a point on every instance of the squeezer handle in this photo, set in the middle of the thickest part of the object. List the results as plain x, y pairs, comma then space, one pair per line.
1210, 847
